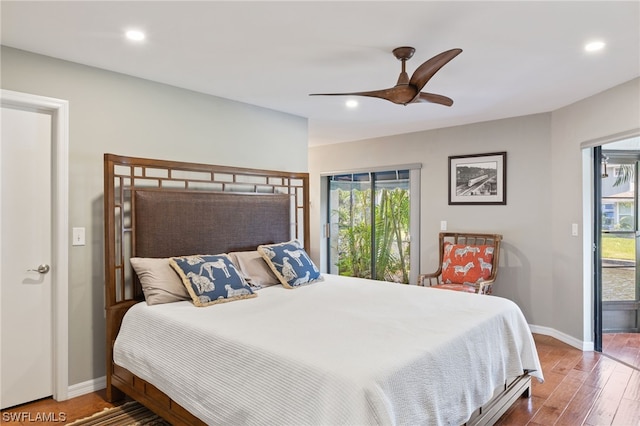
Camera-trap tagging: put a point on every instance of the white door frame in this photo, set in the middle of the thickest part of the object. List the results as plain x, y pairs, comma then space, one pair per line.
59, 110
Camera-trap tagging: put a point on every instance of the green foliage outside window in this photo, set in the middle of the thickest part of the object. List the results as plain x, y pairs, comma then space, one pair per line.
391, 224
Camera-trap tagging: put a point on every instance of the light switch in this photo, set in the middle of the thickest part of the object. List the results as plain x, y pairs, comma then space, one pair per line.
574, 229
443, 225
78, 237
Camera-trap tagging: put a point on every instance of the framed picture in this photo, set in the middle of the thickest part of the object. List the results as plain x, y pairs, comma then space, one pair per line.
478, 179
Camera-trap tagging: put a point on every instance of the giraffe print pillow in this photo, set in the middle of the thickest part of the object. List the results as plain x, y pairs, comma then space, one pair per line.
211, 279
290, 262
463, 263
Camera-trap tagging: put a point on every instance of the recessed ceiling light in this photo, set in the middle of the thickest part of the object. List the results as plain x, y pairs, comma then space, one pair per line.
351, 103
135, 35
594, 46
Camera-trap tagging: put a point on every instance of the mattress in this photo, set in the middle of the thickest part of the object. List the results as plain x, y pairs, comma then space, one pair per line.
343, 351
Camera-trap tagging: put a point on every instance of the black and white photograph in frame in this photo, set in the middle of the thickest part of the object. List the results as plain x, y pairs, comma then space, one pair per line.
478, 179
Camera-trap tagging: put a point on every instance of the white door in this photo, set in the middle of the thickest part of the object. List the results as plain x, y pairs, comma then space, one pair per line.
26, 255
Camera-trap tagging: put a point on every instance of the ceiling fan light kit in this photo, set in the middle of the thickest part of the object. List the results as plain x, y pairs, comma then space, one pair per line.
409, 90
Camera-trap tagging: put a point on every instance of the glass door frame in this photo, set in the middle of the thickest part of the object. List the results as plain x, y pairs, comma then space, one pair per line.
614, 312
597, 248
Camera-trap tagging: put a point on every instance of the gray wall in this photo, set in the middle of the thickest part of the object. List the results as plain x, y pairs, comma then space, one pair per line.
119, 114
541, 263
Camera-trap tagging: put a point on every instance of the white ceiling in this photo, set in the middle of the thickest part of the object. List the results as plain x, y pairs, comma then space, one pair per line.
518, 57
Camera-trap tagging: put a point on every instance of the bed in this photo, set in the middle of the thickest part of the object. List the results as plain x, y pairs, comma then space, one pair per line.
334, 351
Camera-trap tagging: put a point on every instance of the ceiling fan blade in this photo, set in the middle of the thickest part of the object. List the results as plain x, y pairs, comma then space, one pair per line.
434, 99
403, 94
425, 71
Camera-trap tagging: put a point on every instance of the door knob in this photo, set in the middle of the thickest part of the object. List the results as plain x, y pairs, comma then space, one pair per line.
42, 269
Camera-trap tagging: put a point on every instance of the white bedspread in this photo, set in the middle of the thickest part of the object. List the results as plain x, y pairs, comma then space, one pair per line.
343, 351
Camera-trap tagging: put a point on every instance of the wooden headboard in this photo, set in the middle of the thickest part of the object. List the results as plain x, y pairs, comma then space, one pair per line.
159, 208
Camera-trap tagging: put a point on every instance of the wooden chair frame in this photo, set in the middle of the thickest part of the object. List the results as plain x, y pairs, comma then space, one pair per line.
484, 287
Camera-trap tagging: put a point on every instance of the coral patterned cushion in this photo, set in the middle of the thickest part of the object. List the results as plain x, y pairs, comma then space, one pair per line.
463, 263
457, 287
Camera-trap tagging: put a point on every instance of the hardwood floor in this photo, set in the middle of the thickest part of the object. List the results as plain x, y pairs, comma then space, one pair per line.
580, 388
624, 347
49, 412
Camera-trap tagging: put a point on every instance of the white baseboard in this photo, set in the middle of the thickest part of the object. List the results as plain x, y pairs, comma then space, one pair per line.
87, 387
565, 338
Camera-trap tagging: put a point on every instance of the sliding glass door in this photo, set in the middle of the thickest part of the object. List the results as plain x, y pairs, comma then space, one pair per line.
370, 225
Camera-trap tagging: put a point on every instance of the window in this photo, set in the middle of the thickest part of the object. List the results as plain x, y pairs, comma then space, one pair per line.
608, 215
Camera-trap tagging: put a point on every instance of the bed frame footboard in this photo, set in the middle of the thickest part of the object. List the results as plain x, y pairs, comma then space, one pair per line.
152, 398
503, 399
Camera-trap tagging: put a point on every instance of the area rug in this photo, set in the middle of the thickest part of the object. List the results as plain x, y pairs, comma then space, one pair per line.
129, 414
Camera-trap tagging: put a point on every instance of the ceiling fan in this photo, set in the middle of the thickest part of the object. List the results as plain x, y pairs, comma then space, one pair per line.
408, 90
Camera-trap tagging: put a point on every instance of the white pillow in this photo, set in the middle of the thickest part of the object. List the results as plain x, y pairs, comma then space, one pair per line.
160, 282
254, 269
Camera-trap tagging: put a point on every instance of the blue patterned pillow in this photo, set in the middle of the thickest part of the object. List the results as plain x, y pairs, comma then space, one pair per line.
211, 279
290, 262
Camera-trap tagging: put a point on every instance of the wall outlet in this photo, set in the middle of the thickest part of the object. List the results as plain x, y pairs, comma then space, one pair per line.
443, 225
